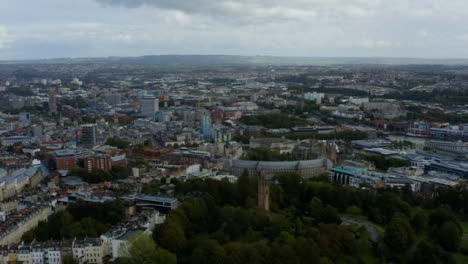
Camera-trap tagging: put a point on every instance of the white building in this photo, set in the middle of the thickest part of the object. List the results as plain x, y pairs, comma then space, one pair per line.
119, 244
23, 140
358, 100
52, 254
246, 106
24, 254
314, 96
37, 255
89, 250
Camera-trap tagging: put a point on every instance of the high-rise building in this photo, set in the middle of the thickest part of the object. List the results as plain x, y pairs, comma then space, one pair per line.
205, 125
88, 135
149, 105
315, 97
163, 116
36, 131
116, 98
52, 102
112, 98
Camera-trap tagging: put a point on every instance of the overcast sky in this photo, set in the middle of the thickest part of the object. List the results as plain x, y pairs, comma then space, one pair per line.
336, 28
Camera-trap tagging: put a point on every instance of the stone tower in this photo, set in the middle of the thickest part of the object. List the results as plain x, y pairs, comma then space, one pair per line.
263, 192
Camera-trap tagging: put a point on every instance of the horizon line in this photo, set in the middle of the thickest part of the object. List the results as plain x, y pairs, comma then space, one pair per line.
238, 55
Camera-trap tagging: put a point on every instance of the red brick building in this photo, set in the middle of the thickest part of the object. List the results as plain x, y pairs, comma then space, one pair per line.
64, 160
101, 162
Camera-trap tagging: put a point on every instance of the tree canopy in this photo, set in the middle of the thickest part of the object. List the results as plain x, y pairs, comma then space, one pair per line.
99, 175
143, 250
221, 223
79, 220
117, 142
273, 120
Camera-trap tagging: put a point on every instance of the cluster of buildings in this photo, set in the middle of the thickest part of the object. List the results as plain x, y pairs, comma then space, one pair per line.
188, 125
89, 250
416, 180
144, 212
14, 182
14, 224
437, 131
432, 164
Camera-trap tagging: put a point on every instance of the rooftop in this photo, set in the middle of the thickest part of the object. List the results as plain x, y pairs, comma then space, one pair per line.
349, 170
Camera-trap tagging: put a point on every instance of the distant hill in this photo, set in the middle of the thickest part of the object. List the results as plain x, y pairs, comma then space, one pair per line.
238, 60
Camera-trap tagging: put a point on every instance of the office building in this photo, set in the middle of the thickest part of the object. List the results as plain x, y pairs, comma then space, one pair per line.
112, 98
314, 97
13, 140
149, 105
88, 135
205, 125
52, 102
356, 177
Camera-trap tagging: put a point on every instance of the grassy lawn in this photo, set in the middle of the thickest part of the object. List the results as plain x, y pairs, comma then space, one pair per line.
460, 258
464, 242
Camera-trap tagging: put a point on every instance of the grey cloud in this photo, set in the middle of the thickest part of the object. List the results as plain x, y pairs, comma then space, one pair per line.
242, 11
277, 10
402, 28
5, 37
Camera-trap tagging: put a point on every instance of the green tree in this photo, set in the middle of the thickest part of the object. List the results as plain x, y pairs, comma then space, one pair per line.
323, 214
298, 227
119, 172
283, 249
79, 172
383, 163
353, 210
208, 252
419, 221
171, 235
78, 220
399, 236
68, 259
240, 253
143, 250
21, 91
428, 253
246, 187
307, 250
117, 142
449, 236
151, 188
291, 185
273, 120
260, 154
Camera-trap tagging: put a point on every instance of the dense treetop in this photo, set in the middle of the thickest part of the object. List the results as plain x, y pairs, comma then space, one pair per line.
220, 223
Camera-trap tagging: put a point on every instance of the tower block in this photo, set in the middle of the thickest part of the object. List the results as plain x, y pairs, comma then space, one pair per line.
263, 192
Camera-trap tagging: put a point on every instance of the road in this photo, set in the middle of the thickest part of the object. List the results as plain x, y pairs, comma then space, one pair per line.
373, 232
